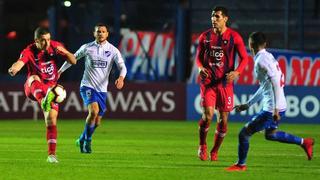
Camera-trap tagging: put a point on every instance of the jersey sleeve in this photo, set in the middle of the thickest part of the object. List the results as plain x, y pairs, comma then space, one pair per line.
78, 55
242, 52
120, 62
25, 56
270, 66
257, 96
276, 91
200, 51
80, 52
55, 44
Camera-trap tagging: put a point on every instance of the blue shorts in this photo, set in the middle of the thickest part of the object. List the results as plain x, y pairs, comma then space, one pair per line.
263, 121
90, 95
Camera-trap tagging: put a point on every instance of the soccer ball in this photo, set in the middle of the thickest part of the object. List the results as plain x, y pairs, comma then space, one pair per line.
60, 93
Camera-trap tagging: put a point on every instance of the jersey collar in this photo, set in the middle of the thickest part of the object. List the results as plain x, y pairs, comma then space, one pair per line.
100, 45
259, 52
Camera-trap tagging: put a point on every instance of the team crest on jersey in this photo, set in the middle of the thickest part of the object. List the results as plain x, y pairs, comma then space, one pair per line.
107, 53
225, 42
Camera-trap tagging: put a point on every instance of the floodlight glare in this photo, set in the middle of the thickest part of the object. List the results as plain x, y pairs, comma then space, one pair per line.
67, 3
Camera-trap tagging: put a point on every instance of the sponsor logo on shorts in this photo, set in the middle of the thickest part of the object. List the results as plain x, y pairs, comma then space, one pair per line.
88, 93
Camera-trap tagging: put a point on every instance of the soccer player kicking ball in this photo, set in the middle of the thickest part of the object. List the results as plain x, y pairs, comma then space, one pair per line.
215, 58
271, 92
40, 58
99, 57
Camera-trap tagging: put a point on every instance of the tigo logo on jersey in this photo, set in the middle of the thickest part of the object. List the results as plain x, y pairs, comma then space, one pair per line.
47, 69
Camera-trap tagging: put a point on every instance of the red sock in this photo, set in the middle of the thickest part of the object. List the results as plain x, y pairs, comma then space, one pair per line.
203, 131
52, 139
219, 136
37, 91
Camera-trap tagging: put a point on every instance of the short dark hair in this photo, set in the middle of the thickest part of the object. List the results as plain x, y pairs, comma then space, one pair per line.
258, 38
223, 10
100, 25
40, 31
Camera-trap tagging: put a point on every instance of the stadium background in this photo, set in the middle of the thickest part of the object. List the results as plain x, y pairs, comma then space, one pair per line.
158, 40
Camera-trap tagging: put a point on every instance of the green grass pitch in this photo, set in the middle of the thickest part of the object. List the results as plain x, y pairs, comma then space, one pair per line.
148, 150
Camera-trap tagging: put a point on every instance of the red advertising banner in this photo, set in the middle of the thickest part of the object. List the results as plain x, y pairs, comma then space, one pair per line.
150, 56
135, 101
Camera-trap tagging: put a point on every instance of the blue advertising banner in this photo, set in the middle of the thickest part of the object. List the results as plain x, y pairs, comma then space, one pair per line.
303, 105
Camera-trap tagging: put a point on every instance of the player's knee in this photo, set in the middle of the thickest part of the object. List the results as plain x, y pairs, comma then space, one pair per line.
222, 129
51, 120
202, 122
244, 134
33, 78
93, 113
207, 116
204, 125
270, 136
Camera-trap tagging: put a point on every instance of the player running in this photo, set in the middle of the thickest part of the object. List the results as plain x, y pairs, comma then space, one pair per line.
215, 58
99, 57
271, 92
40, 58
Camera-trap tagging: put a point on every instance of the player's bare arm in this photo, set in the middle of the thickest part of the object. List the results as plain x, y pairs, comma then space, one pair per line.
70, 57
231, 76
119, 82
15, 68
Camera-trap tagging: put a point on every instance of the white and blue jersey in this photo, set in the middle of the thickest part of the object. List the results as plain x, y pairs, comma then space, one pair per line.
99, 59
271, 92
271, 80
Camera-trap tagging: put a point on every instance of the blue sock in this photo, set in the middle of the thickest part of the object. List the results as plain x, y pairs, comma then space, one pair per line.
90, 130
84, 134
87, 132
243, 146
284, 137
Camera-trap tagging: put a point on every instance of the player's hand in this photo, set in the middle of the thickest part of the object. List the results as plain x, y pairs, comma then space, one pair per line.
276, 115
119, 82
241, 107
231, 76
16, 67
11, 72
62, 49
203, 73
